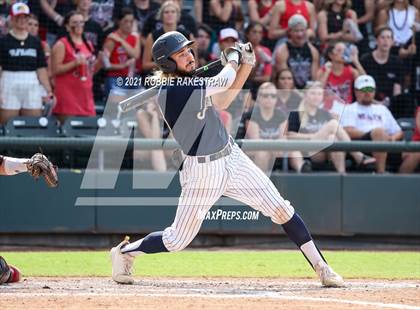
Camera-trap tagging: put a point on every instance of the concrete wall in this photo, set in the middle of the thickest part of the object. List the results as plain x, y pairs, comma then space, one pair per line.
330, 204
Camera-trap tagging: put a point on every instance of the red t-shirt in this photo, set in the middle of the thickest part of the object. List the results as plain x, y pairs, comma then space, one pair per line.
339, 87
263, 10
416, 136
119, 55
292, 9
74, 96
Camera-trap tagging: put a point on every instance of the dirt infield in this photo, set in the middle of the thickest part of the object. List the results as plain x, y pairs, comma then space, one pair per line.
218, 293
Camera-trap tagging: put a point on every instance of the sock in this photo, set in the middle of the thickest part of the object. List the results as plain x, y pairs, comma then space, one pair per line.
296, 230
14, 166
152, 243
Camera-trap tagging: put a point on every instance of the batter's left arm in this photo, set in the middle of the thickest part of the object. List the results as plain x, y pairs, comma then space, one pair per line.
223, 100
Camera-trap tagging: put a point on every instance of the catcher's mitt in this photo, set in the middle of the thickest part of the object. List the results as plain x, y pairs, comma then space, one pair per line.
5, 271
39, 165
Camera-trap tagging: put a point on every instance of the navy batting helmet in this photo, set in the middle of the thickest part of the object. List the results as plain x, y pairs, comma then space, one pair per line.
166, 45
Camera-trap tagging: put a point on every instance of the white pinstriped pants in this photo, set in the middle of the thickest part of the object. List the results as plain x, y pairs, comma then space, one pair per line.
234, 176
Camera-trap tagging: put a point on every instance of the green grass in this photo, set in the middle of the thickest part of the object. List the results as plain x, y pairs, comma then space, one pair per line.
379, 265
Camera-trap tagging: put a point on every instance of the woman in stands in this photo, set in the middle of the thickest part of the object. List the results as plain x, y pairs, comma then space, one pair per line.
313, 123
73, 65
288, 97
401, 17
122, 48
338, 74
23, 65
170, 14
269, 123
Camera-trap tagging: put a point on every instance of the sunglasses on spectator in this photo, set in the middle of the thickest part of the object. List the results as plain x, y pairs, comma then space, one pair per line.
268, 95
367, 89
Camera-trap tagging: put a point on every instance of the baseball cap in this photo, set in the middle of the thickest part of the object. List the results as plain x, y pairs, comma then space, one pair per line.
226, 33
364, 81
19, 8
296, 20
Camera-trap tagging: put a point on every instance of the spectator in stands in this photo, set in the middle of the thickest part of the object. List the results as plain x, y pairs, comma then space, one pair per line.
103, 12
143, 9
150, 126
93, 31
261, 11
365, 120
338, 75
269, 123
169, 14
288, 98
298, 54
401, 18
283, 10
219, 14
23, 69
73, 65
338, 22
203, 45
4, 14
33, 29
154, 22
412, 160
121, 50
227, 38
262, 69
386, 69
55, 12
365, 11
313, 123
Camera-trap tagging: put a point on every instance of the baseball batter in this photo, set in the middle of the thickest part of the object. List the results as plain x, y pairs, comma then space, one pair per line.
213, 164
38, 165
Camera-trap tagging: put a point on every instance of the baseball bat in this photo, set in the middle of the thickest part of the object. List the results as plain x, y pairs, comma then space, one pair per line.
139, 99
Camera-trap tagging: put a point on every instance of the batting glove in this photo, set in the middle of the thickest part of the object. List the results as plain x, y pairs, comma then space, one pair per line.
231, 54
248, 55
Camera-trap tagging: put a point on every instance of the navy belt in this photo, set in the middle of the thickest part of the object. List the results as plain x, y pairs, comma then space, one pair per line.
227, 150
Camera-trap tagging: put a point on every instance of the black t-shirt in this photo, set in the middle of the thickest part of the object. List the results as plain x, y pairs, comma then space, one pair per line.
291, 104
313, 124
300, 63
94, 33
385, 75
142, 15
151, 24
195, 123
269, 129
17, 55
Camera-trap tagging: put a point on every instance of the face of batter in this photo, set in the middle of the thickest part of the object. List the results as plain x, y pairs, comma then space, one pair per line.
185, 61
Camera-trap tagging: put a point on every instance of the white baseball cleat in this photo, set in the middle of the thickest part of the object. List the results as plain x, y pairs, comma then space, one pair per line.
328, 277
122, 265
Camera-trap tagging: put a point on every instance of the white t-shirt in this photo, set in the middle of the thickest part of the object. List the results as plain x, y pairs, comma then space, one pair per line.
366, 118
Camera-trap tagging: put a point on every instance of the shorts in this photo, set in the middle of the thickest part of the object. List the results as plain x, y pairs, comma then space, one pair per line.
20, 90
366, 137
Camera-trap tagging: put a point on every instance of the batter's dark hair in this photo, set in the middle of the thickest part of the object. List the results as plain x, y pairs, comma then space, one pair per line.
68, 36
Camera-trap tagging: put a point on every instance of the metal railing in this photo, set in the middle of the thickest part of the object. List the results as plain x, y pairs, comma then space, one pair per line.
116, 143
